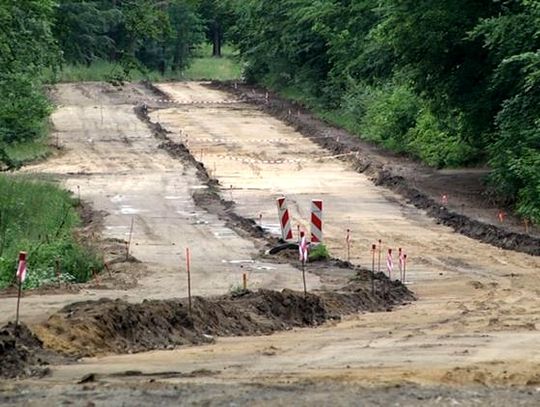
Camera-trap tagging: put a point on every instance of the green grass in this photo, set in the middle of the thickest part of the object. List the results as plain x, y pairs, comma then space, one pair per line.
28, 152
207, 67
39, 218
202, 67
318, 253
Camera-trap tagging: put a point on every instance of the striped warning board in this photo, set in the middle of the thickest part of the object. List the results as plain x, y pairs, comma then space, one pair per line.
316, 221
284, 219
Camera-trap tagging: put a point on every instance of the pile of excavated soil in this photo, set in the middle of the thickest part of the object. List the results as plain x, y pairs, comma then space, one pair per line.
106, 326
22, 353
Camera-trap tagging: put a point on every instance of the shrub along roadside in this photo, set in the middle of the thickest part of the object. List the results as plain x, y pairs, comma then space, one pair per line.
40, 218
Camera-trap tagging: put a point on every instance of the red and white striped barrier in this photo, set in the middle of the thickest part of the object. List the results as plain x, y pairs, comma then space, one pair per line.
316, 221
284, 219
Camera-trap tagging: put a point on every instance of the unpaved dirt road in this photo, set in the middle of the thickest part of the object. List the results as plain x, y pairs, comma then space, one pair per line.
475, 322
112, 160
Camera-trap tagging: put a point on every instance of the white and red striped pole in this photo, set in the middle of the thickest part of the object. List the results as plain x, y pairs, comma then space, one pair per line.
316, 221
21, 276
404, 267
303, 251
400, 263
188, 270
284, 219
348, 241
389, 264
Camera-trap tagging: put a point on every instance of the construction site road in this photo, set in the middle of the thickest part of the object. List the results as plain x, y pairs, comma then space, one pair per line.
111, 159
476, 318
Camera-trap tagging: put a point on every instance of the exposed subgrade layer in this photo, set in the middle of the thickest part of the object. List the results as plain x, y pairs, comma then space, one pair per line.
380, 174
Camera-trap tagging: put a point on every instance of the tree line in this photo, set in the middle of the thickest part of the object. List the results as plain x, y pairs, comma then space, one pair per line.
451, 82
147, 35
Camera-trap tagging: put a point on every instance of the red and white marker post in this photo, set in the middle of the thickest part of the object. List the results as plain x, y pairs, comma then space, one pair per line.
389, 264
373, 249
400, 264
348, 242
316, 221
284, 219
444, 199
303, 252
21, 276
404, 267
188, 269
380, 255
128, 245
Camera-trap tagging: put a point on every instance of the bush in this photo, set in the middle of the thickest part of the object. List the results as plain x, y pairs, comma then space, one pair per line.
318, 253
436, 146
389, 112
39, 218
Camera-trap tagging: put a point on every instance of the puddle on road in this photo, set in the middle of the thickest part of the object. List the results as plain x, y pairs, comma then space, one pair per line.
129, 210
272, 228
223, 233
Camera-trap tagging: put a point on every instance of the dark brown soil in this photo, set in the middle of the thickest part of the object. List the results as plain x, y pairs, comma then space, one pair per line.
209, 199
22, 353
106, 326
471, 204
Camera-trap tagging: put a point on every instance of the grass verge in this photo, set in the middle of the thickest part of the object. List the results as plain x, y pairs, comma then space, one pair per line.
27, 152
40, 218
202, 67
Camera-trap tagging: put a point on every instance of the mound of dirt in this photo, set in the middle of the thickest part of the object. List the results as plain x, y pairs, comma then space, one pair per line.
22, 353
106, 326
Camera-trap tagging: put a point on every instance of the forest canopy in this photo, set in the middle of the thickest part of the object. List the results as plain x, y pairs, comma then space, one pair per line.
450, 82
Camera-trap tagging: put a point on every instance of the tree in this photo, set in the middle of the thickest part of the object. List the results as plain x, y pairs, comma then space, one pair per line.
26, 47
513, 38
217, 17
83, 29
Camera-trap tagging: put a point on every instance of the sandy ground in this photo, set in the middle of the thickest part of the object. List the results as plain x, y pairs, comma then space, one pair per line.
111, 159
477, 314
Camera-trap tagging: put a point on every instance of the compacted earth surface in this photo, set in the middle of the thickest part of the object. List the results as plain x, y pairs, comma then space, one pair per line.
190, 165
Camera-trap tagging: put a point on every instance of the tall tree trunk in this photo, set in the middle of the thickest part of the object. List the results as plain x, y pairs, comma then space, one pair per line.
216, 40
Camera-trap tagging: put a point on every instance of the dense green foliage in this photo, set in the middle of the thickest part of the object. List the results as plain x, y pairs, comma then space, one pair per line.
127, 38
451, 82
48, 239
135, 34
26, 47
